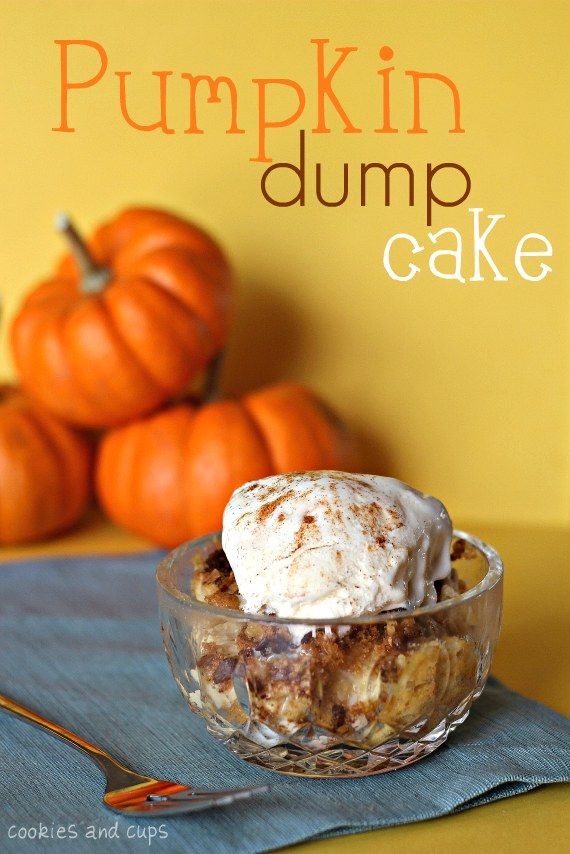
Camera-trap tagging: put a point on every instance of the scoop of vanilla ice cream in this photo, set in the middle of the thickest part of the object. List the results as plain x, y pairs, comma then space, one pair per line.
326, 544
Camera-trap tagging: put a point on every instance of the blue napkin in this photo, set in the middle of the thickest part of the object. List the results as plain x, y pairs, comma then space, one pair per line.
81, 644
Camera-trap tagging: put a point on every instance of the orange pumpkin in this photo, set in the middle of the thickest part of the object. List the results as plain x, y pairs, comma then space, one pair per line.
44, 471
168, 477
126, 322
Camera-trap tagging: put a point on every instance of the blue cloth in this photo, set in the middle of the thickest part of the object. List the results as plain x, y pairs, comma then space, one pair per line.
80, 643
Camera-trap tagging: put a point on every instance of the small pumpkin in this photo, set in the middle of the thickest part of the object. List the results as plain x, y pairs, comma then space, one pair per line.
126, 322
169, 476
44, 471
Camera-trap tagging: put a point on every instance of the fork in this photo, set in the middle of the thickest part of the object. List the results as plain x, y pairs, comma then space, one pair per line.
130, 793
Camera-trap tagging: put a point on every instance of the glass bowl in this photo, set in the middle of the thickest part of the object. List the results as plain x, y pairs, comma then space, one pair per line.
342, 698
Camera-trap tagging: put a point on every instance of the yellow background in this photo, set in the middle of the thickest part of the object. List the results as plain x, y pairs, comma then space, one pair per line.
461, 390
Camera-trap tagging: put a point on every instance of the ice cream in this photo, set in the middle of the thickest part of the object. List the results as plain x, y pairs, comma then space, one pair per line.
327, 544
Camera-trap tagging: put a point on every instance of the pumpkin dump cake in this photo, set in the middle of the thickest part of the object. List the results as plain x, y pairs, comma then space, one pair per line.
313, 546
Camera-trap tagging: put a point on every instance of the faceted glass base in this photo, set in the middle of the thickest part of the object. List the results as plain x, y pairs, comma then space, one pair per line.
337, 761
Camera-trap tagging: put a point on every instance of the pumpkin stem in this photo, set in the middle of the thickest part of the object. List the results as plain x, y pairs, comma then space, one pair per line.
211, 390
93, 277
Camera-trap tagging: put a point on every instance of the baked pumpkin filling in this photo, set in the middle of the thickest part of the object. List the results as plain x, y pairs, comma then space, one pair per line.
372, 679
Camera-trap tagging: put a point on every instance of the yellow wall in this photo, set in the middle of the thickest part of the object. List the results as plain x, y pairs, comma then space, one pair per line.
461, 390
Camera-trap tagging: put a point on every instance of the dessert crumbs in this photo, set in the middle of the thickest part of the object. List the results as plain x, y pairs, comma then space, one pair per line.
463, 550
338, 714
218, 561
322, 653
225, 669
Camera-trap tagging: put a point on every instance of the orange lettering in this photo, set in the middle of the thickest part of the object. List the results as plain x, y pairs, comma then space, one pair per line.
386, 53
416, 77
262, 84
65, 85
214, 98
161, 123
324, 88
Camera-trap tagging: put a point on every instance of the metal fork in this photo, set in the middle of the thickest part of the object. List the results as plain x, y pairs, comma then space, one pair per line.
130, 793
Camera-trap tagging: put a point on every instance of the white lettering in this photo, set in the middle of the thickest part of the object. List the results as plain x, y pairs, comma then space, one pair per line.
413, 269
455, 253
546, 253
479, 247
